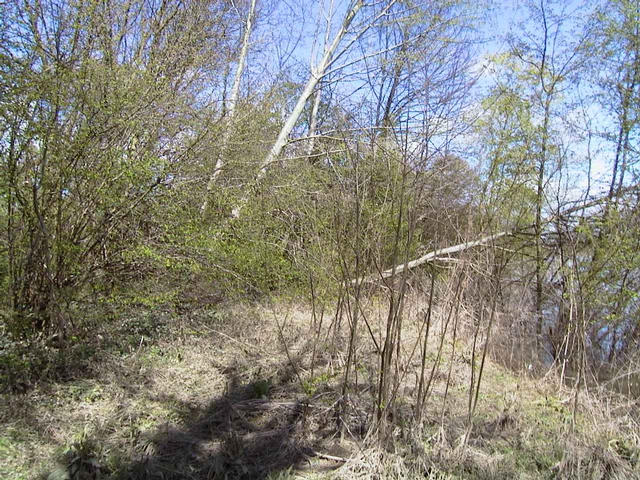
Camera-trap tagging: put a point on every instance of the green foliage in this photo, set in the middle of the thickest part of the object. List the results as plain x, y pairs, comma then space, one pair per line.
287, 474
261, 388
23, 364
80, 459
606, 267
508, 138
87, 131
312, 385
625, 450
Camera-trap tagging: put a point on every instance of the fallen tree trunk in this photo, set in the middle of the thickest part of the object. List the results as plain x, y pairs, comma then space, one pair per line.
429, 257
318, 73
437, 254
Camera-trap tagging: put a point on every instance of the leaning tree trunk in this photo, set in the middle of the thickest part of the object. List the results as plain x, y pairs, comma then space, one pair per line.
317, 73
233, 100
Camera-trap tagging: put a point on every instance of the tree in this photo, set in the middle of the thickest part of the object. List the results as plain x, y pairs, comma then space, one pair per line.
618, 45
231, 105
96, 100
343, 40
539, 67
608, 268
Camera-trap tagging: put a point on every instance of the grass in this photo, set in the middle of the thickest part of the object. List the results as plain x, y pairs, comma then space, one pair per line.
214, 393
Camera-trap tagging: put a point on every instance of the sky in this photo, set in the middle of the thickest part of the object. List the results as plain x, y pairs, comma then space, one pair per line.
509, 17
295, 36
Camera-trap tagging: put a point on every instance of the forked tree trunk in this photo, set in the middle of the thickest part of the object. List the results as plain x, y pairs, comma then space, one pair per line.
317, 73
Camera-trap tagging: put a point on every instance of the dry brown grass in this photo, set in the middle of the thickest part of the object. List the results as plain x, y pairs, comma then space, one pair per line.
231, 392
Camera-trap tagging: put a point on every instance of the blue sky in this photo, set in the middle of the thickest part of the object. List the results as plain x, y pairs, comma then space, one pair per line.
303, 33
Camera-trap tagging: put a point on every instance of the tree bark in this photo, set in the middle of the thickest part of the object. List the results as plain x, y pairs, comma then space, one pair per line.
316, 75
429, 257
233, 100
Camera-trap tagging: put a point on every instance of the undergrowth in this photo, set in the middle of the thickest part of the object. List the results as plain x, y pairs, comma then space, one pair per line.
212, 392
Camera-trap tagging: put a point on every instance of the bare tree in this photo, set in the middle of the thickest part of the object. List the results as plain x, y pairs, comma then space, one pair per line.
231, 105
343, 40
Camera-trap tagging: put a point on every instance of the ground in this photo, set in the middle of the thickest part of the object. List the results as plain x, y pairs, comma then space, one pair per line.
229, 391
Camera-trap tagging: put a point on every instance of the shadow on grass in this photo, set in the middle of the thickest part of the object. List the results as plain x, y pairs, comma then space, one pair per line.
236, 436
241, 434
250, 430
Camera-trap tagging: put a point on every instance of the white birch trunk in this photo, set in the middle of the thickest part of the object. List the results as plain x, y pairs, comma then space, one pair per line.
316, 75
436, 255
313, 123
233, 100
